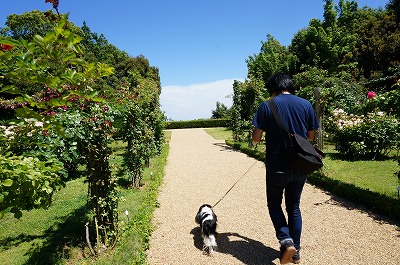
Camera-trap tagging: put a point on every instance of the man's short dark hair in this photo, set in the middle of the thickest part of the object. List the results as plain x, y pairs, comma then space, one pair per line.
279, 82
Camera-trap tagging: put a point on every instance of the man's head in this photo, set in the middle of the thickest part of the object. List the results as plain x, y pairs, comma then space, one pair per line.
279, 83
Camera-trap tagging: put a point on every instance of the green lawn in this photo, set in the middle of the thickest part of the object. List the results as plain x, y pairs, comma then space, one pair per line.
220, 133
46, 237
57, 235
377, 176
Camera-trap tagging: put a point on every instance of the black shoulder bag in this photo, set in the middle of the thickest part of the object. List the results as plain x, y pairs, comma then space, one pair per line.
301, 155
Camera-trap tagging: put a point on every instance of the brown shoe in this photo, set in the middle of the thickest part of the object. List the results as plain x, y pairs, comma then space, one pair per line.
287, 252
296, 257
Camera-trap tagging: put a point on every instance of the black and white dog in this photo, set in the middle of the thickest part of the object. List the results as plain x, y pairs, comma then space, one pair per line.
207, 220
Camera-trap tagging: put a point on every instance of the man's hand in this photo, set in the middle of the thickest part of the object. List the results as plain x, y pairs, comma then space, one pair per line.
257, 135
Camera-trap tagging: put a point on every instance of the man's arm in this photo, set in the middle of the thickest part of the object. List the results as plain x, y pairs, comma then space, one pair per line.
310, 135
257, 135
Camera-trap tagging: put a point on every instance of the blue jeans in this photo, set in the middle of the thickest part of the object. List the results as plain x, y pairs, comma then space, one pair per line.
291, 184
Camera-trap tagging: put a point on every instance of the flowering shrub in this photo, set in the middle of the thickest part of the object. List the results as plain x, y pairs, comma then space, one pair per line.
55, 119
94, 137
55, 61
28, 137
50, 135
363, 136
29, 172
388, 102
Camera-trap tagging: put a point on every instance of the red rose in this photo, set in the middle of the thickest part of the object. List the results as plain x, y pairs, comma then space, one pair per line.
371, 94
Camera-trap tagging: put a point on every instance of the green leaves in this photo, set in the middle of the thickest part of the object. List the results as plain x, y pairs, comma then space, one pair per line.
272, 58
7, 183
54, 59
39, 40
9, 41
10, 90
27, 183
25, 112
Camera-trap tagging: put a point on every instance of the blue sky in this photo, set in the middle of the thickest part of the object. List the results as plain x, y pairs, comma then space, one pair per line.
200, 47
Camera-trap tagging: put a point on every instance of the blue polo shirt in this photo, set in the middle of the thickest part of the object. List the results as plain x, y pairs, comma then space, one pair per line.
298, 116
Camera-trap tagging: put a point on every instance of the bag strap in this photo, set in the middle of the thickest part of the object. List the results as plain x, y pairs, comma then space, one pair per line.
278, 119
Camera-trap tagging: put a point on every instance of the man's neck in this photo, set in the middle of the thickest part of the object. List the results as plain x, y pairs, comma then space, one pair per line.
280, 93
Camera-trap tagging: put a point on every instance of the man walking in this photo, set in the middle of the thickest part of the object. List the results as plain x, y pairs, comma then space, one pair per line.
299, 117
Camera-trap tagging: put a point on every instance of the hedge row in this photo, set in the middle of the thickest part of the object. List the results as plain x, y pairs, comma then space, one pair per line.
209, 123
373, 201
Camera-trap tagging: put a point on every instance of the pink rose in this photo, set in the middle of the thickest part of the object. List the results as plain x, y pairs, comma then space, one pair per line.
371, 94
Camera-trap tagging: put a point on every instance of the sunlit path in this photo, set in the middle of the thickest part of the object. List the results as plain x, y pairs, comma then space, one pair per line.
201, 169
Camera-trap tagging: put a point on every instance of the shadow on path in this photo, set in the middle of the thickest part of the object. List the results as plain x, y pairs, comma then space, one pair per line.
226, 147
246, 250
349, 205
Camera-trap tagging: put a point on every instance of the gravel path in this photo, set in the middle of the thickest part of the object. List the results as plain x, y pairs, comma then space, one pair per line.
201, 170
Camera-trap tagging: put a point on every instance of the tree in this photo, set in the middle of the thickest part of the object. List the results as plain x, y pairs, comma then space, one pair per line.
29, 24
131, 69
330, 15
378, 43
247, 96
324, 45
97, 48
362, 42
394, 7
221, 111
348, 12
273, 58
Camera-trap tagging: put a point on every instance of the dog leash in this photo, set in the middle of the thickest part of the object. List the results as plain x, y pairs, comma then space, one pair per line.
234, 184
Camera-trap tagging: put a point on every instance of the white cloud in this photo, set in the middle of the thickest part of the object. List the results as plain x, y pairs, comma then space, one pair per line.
195, 101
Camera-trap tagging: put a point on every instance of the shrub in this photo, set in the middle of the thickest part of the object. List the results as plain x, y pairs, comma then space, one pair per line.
336, 91
27, 183
364, 136
388, 102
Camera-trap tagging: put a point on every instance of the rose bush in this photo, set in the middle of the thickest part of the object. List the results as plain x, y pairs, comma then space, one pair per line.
35, 135
30, 173
388, 102
363, 136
